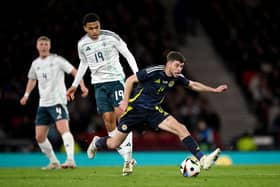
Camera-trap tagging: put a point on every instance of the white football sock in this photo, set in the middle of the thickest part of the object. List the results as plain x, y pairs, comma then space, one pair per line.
125, 149
68, 142
47, 149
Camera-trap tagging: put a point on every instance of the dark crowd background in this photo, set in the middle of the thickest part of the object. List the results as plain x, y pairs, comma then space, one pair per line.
245, 33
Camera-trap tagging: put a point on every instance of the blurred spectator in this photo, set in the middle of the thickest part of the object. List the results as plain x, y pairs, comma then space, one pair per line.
205, 136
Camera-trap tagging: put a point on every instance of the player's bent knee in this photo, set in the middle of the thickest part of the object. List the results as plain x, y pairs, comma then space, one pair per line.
40, 138
112, 144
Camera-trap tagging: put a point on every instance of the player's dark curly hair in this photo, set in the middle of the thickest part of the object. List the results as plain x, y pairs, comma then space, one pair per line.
175, 55
90, 17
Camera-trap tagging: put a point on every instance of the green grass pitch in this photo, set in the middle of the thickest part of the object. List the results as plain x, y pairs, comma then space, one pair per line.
161, 176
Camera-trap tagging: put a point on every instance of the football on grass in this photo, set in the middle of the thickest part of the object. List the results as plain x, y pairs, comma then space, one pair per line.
190, 167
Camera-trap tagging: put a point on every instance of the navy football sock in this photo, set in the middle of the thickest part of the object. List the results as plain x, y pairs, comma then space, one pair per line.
101, 143
193, 147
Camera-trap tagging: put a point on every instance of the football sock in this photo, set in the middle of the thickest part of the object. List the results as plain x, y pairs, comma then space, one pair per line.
101, 142
68, 142
47, 149
125, 149
193, 147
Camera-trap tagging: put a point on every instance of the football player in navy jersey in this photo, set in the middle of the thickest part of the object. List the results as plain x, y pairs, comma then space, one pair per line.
144, 93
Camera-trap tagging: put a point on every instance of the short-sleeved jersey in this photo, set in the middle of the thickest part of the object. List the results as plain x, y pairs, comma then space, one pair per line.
102, 56
50, 75
153, 86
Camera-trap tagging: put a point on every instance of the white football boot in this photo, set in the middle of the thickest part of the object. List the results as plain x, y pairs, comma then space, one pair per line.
207, 161
91, 151
128, 167
69, 164
52, 165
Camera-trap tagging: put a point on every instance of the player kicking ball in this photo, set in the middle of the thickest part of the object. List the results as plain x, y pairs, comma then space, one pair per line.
141, 104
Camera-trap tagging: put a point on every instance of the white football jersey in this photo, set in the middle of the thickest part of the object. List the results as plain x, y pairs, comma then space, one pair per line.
102, 56
50, 73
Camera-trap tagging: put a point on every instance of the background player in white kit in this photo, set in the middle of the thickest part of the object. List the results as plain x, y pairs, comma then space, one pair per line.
99, 50
49, 69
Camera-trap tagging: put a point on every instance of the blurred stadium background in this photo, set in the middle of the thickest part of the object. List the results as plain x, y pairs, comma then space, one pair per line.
234, 42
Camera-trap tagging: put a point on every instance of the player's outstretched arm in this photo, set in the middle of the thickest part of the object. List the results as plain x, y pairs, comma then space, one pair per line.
200, 87
29, 87
123, 49
221, 88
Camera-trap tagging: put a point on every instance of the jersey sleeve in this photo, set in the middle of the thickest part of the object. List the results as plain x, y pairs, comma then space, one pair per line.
82, 67
65, 65
122, 48
143, 75
80, 73
81, 54
183, 80
31, 73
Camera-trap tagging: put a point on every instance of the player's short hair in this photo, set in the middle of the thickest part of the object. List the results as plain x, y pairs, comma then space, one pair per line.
90, 17
175, 55
44, 38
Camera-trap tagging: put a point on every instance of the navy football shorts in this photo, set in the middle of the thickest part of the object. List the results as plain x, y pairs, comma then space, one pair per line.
135, 118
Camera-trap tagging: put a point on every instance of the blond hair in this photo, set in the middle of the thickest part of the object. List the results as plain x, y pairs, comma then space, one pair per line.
45, 38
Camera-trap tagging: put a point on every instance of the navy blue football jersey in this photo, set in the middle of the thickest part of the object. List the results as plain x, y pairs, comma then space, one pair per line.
153, 86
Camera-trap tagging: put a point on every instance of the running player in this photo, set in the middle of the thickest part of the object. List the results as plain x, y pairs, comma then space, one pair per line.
49, 69
99, 50
142, 104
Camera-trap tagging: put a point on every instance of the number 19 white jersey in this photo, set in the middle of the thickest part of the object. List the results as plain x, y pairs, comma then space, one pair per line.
102, 56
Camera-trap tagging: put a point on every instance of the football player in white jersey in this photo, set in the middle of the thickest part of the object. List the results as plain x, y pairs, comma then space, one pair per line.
99, 51
49, 70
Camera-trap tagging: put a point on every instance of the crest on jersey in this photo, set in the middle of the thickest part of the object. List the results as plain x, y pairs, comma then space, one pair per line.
171, 83
124, 127
88, 48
